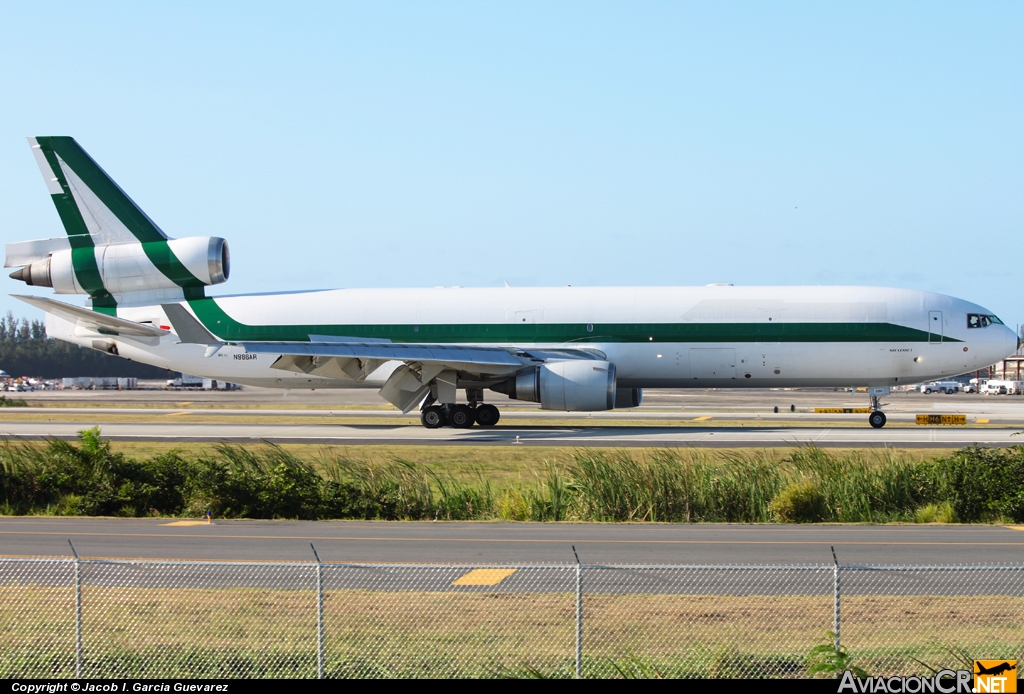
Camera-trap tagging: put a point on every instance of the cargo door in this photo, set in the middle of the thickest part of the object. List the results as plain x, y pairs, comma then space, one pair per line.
712, 363
934, 327
523, 326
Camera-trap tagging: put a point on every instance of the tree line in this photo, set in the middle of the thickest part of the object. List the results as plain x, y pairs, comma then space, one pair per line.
25, 350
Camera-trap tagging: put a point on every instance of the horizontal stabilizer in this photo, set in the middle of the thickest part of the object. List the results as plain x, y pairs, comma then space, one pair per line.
91, 320
28, 252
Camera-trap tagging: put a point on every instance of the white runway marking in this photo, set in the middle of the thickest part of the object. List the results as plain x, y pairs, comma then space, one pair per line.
553, 435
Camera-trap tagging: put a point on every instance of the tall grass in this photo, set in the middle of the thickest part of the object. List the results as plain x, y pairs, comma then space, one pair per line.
671, 486
809, 484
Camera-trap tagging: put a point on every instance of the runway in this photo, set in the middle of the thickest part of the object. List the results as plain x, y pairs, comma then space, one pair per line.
620, 436
501, 543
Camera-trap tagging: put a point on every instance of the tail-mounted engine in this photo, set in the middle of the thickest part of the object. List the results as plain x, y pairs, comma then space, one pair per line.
127, 268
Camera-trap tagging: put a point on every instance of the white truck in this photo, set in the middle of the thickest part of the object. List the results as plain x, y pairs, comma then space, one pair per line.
185, 381
197, 382
997, 386
947, 387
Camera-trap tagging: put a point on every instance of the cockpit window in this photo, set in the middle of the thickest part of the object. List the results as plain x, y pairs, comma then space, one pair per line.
980, 320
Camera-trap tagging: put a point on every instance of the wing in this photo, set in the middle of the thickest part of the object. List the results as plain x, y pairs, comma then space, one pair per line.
410, 382
355, 360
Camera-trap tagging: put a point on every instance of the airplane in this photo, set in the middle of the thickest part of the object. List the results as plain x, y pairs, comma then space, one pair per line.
999, 669
580, 349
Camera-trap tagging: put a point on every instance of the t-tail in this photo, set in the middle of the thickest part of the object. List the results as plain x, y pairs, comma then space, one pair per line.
113, 251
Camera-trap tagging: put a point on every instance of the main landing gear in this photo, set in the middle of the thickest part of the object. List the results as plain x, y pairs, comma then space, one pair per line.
459, 416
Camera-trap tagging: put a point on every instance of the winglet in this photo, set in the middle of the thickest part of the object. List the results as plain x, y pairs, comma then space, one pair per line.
188, 329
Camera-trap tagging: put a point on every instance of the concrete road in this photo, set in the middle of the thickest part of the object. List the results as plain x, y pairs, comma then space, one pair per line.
753, 436
498, 543
710, 418
759, 400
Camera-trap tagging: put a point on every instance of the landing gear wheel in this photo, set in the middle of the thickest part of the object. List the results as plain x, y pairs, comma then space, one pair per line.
877, 419
461, 417
432, 417
487, 415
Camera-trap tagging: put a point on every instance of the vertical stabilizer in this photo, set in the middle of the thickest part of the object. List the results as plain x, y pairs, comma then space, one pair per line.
113, 251
90, 204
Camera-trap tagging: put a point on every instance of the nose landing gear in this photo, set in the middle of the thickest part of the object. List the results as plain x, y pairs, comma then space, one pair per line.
877, 418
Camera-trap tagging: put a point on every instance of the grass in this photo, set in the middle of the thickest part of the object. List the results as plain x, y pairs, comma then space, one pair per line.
511, 483
271, 632
523, 465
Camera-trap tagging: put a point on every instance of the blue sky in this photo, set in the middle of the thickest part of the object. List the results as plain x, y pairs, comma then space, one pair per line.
421, 144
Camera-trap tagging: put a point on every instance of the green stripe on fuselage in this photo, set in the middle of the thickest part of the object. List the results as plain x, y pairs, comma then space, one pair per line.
222, 325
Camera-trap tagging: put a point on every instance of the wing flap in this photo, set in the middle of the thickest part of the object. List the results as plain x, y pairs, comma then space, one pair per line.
470, 356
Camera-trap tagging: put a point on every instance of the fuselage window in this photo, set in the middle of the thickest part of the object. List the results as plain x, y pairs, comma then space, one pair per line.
978, 320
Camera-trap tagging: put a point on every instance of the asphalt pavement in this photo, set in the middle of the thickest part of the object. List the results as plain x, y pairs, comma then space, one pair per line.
617, 436
501, 543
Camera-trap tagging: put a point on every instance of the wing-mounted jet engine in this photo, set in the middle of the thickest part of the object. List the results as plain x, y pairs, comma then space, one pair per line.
573, 386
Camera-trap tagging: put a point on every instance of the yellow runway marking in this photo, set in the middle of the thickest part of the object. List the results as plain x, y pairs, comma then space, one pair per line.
187, 523
175, 414
484, 577
516, 541
1015, 527
701, 419
981, 421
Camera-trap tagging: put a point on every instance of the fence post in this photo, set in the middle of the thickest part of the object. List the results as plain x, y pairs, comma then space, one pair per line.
319, 614
78, 611
579, 615
837, 621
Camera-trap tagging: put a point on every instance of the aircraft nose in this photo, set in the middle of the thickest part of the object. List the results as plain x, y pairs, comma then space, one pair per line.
1013, 341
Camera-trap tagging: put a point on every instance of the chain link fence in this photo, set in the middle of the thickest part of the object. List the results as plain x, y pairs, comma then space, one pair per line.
135, 619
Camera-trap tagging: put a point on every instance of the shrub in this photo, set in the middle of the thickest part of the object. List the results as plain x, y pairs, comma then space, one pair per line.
801, 502
936, 513
515, 505
981, 484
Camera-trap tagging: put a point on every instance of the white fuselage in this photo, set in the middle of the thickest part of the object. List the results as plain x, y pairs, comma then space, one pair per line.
657, 337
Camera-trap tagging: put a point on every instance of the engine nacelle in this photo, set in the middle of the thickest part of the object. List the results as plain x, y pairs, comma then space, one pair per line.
572, 386
196, 261
628, 397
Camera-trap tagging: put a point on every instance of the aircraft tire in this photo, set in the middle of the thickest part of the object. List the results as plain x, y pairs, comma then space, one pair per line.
877, 419
487, 415
432, 417
461, 417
